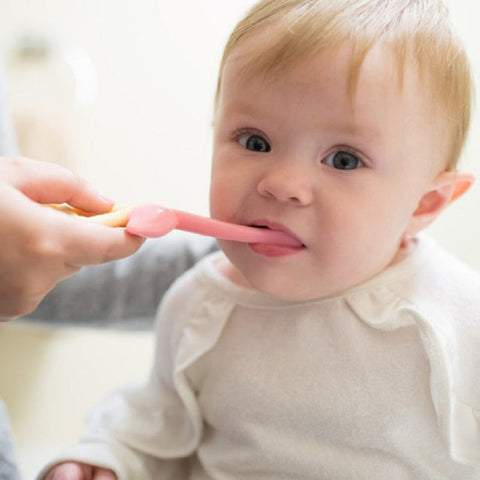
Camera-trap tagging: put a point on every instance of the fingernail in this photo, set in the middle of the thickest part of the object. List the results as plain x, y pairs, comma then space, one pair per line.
106, 198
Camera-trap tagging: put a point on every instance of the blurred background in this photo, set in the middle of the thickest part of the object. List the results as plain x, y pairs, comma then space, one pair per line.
122, 92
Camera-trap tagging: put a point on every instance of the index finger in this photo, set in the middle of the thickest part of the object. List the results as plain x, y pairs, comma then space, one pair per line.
45, 182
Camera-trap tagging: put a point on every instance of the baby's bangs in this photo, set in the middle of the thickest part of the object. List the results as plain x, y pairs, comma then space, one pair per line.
294, 30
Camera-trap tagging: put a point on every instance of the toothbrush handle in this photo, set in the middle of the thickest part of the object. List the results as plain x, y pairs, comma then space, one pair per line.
229, 231
115, 218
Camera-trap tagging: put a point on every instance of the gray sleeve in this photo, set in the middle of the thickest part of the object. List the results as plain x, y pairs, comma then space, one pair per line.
8, 144
123, 294
8, 468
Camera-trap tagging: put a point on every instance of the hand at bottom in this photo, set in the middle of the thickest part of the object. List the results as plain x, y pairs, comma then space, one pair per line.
79, 471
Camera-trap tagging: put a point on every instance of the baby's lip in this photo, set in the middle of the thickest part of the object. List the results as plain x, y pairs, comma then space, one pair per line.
263, 223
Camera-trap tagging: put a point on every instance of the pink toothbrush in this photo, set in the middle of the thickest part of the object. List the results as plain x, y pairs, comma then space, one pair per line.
155, 221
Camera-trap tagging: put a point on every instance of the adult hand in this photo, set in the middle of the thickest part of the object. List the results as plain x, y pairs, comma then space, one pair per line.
79, 471
40, 246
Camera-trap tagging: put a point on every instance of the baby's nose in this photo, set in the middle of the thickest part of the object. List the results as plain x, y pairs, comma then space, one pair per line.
287, 184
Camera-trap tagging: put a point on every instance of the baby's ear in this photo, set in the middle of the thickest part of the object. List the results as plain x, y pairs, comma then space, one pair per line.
446, 188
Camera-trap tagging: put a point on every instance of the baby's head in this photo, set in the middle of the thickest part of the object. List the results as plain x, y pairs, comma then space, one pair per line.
340, 121
418, 32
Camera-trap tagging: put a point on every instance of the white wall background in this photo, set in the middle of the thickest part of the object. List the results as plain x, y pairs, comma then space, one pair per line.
146, 137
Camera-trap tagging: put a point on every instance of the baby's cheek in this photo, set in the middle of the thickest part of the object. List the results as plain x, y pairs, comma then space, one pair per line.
223, 194
219, 201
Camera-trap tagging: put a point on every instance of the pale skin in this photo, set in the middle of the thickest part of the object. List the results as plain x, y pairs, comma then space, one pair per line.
41, 246
275, 164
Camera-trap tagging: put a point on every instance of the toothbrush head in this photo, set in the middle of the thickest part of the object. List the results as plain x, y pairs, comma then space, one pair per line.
151, 221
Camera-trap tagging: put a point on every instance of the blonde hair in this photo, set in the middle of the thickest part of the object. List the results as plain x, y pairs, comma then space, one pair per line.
418, 30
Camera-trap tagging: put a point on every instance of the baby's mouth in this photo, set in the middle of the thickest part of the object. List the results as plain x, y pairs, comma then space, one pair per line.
277, 227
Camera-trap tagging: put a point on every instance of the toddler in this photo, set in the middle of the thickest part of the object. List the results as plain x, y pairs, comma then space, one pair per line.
352, 356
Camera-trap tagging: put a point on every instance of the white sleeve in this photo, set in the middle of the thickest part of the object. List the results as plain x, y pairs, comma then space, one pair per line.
148, 432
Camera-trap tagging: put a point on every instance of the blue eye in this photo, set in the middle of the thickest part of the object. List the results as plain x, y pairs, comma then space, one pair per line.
342, 160
255, 143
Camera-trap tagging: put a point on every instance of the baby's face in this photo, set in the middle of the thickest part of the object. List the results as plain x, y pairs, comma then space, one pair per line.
293, 153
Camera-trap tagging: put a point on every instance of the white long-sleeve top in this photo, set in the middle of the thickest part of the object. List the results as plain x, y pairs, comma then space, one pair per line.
381, 381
